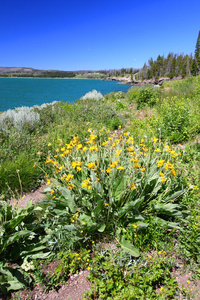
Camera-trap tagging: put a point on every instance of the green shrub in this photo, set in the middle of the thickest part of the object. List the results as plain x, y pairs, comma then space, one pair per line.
175, 119
146, 97
112, 182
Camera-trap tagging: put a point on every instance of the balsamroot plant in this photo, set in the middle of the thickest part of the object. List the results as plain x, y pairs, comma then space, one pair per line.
111, 181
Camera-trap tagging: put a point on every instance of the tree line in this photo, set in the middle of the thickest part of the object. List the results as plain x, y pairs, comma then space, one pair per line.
173, 65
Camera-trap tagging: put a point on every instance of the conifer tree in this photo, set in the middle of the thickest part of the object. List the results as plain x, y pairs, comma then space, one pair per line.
197, 51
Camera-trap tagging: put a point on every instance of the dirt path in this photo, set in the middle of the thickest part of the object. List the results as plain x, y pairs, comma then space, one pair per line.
37, 195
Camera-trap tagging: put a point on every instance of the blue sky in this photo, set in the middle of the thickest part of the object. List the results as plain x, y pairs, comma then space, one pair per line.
94, 35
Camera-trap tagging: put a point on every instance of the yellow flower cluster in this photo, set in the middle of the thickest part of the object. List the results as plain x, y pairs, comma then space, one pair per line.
94, 163
85, 183
77, 165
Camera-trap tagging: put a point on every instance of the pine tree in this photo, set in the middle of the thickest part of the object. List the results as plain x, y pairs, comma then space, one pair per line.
197, 51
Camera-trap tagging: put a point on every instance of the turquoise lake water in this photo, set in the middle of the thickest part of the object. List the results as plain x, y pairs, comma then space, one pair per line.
17, 92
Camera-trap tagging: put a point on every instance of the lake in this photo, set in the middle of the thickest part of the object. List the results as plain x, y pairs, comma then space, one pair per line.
17, 92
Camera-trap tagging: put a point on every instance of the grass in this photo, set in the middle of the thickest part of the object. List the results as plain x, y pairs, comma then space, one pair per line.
122, 198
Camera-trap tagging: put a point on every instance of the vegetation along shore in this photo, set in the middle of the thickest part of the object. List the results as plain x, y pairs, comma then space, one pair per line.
122, 176
120, 217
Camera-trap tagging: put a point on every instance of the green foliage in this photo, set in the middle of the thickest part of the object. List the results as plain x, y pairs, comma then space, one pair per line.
119, 105
21, 237
19, 175
115, 275
175, 120
13, 278
113, 184
20, 233
146, 97
116, 190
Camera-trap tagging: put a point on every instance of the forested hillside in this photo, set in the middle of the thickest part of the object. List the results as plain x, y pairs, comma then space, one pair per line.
173, 65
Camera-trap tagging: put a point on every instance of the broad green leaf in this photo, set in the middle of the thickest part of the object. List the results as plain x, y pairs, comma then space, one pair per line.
102, 228
32, 248
69, 227
16, 236
174, 196
168, 209
119, 186
99, 206
69, 198
39, 255
128, 247
130, 206
11, 224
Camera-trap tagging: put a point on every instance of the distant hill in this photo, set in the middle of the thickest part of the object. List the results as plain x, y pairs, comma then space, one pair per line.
4, 70
30, 72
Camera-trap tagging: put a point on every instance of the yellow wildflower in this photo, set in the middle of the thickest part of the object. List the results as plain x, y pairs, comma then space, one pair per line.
91, 165
174, 154
108, 170
143, 170
69, 177
168, 165
114, 164
63, 149
167, 148
120, 168
160, 163
69, 146
126, 133
52, 191
84, 149
49, 144
133, 187
134, 159
92, 137
135, 226
163, 178
106, 204
173, 172
85, 182
93, 148
49, 160
105, 143
48, 181
155, 140
79, 169
62, 167
136, 166
71, 186
131, 149
158, 150
118, 152
79, 146
76, 164
66, 152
